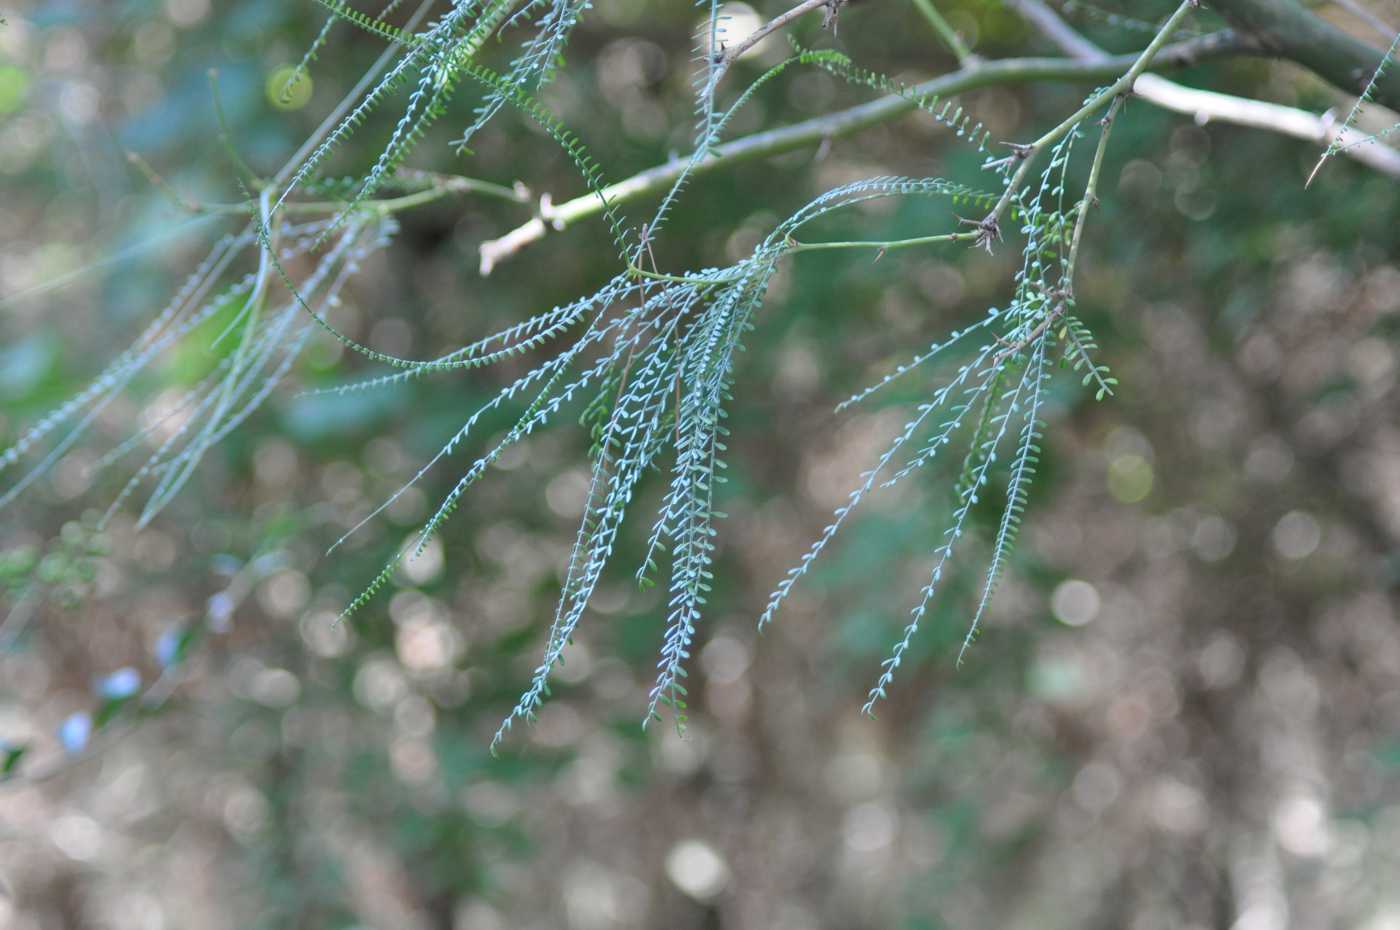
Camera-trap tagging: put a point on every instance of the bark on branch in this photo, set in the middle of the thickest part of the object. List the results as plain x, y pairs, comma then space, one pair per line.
1288, 31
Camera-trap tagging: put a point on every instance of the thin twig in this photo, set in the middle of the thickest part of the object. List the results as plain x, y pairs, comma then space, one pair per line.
348, 101
946, 32
1019, 345
1091, 190
439, 186
885, 246
990, 225
727, 56
1356, 108
822, 129
1206, 106
1056, 29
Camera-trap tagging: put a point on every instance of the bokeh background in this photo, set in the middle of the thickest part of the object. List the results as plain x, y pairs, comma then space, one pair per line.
1184, 711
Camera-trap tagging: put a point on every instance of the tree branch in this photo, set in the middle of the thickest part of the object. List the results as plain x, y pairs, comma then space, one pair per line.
1287, 30
724, 57
989, 226
1206, 105
1056, 29
844, 123
1367, 17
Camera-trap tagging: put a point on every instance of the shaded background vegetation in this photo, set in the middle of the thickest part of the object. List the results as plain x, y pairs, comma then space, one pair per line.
1184, 712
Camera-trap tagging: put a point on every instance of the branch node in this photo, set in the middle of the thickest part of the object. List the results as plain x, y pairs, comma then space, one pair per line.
831, 14
548, 215
988, 231
1019, 153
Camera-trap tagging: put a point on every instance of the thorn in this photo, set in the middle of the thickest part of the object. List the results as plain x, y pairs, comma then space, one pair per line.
988, 231
1019, 152
831, 15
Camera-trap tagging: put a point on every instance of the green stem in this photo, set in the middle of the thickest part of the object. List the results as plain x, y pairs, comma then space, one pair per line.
792, 247
457, 185
454, 184
638, 272
886, 246
1124, 84
229, 389
485, 27
945, 31
348, 101
1090, 191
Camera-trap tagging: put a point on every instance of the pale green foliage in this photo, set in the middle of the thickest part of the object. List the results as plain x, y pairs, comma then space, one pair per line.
649, 357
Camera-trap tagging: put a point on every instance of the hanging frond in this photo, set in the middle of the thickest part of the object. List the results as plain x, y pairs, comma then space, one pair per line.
647, 362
